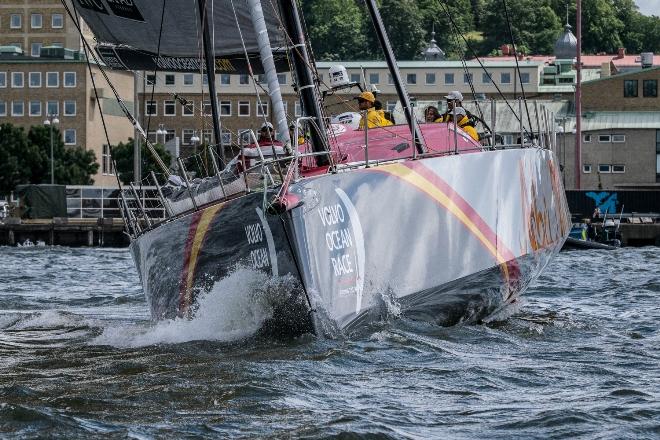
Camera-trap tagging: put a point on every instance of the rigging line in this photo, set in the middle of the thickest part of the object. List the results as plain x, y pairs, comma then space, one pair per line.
98, 103
476, 57
153, 85
515, 53
121, 103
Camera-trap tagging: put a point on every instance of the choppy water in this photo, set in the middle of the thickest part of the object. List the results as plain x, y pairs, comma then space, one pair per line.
79, 358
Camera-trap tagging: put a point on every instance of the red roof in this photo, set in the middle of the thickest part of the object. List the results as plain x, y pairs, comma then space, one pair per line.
593, 61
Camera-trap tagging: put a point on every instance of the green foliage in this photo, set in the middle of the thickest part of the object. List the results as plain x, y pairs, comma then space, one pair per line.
123, 157
25, 158
535, 25
342, 30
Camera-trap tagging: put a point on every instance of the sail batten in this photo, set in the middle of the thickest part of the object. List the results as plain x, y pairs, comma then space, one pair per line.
128, 31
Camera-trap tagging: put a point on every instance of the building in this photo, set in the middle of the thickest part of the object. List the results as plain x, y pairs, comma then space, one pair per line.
43, 72
58, 83
31, 25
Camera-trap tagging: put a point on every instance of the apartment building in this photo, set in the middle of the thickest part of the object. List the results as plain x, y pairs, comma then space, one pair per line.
58, 83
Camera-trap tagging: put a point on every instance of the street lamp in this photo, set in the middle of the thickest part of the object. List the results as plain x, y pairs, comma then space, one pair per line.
194, 139
161, 130
50, 122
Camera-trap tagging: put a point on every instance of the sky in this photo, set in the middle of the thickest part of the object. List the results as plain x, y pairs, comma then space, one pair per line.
649, 7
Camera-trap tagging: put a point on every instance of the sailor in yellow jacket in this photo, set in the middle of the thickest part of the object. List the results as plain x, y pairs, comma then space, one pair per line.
463, 122
366, 102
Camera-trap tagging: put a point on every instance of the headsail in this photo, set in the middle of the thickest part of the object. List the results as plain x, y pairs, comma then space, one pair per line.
128, 33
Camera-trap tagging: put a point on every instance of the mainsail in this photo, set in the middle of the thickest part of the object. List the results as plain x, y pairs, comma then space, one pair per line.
166, 34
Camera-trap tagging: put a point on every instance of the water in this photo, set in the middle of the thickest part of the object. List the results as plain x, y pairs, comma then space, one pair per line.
79, 358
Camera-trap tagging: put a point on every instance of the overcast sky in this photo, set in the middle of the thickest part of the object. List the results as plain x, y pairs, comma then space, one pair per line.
649, 7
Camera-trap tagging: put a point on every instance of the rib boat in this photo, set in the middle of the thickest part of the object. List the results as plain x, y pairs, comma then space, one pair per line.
449, 228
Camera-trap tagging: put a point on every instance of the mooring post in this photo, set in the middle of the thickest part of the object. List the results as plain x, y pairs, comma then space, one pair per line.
90, 238
12, 239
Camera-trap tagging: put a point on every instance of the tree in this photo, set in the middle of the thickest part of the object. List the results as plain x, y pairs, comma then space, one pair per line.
534, 24
123, 157
403, 23
26, 159
434, 16
336, 29
73, 165
600, 27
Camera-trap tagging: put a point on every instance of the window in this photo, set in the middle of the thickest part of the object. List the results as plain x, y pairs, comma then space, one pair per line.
449, 78
150, 79
430, 78
650, 88
169, 108
355, 77
604, 138
69, 79
15, 21
618, 138
57, 21
170, 79
603, 168
187, 79
285, 104
69, 108
35, 79
411, 78
187, 109
586, 138
17, 108
374, 78
297, 110
225, 79
390, 106
243, 108
52, 79
36, 21
468, 78
206, 108
150, 108
226, 137
390, 79
261, 78
262, 110
106, 161
70, 136
225, 108
35, 108
53, 108
3, 108
17, 79
186, 135
3, 79
35, 49
630, 88
244, 79
524, 77
281, 78
618, 169
505, 78
486, 78
205, 80
586, 168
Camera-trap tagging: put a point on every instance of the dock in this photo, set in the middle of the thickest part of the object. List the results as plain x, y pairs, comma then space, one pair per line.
64, 232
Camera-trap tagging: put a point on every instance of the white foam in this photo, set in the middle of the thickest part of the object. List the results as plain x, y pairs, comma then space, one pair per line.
234, 308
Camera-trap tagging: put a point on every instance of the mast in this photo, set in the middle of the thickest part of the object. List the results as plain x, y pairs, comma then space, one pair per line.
396, 75
578, 96
306, 87
266, 53
210, 74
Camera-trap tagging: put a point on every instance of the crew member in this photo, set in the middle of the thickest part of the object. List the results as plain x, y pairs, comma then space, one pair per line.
267, 135
366, 101
464, 122
431, 113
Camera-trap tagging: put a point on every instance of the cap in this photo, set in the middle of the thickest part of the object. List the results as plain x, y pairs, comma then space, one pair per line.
367, 96
266, 125
455, 95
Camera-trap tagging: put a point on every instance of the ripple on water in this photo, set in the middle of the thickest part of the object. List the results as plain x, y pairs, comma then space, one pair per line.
578, 357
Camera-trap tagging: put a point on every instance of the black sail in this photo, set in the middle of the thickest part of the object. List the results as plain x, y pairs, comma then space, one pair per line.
128, 31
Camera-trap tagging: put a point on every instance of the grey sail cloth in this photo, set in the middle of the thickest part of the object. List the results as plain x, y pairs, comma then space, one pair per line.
137, 24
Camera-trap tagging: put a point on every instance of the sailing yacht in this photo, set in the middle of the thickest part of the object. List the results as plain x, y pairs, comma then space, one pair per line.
449, 228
